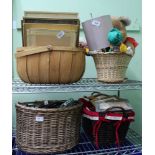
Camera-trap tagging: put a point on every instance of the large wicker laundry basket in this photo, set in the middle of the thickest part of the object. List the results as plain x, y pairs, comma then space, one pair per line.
46, 64
111, 67
46, 130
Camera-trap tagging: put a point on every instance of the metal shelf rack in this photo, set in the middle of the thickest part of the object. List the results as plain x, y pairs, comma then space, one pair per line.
132, 146
84, 85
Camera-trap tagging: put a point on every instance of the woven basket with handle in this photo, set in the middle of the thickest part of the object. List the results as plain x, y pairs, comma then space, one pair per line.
50, 64
111, 67
46, 130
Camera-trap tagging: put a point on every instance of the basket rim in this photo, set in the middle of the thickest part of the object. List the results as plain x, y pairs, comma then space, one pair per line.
30, 50
111, 53
50, 109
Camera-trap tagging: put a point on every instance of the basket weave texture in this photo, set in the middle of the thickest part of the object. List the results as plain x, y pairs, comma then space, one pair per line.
58, 131
111, 67
58, 65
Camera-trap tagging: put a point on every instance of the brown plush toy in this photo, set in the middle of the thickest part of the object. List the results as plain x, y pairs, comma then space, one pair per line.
120, 23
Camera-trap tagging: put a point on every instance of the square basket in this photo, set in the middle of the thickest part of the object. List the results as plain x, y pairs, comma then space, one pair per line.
46, 130
108, 127
55, 28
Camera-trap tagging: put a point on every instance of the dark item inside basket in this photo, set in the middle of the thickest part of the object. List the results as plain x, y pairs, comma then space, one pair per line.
48, 104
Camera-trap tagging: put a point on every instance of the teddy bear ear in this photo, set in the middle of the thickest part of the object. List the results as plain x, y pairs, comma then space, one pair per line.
126, 21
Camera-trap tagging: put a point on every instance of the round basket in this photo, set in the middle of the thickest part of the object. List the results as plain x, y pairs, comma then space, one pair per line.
51, 65
111, 67
41, 130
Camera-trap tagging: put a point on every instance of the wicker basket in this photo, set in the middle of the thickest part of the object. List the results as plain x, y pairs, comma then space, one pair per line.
46, 64
111, 67
41, 130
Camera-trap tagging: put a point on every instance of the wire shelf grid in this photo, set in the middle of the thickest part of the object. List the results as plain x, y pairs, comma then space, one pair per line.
132, 146
84, 85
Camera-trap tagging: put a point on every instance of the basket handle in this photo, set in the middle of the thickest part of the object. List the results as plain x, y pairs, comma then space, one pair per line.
87, 103
111, 98
116, 107
23, 51
96, 94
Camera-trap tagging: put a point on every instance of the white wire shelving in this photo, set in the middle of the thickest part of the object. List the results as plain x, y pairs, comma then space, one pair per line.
132, 145
84, 85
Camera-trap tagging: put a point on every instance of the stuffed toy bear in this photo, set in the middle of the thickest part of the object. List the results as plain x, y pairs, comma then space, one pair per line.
118, 36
